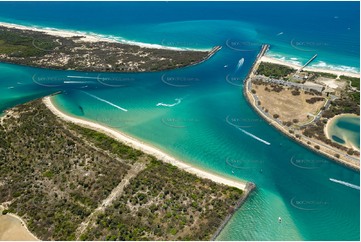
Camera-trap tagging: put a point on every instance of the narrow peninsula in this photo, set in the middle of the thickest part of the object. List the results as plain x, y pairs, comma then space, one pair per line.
66, 50
69, 180
301, 102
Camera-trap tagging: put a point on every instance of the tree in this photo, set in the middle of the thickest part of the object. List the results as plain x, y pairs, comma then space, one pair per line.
276, 116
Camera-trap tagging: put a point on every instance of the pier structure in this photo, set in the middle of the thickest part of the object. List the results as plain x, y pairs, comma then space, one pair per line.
308, 62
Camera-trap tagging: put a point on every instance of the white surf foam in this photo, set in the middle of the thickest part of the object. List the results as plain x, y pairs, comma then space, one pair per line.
324, 65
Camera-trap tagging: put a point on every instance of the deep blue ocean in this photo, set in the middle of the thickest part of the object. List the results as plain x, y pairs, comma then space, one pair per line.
292, 182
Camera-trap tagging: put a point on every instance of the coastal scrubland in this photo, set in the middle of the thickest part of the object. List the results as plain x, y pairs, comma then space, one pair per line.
57, 175
77, 52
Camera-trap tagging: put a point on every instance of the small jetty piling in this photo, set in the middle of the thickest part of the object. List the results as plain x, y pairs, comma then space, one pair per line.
308, 62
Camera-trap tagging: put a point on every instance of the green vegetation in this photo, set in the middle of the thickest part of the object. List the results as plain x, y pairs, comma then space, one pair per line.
355, 82
274, 70
15, 44
355, 96
57, 174
106, 143
322, 74
53, 179
165, 203
36, 48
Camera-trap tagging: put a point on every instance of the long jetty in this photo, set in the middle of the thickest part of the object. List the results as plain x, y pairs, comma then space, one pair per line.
264, 49
308, 62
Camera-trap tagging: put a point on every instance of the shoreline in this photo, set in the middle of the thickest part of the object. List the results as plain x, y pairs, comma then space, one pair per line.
139, 145
327, 127
22, 222
284, 132
24, 225
93, 37
252, 102
311, 69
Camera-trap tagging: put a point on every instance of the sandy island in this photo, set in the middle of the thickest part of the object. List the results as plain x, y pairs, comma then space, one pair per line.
117, 135
294, 66
327, 127
90, 37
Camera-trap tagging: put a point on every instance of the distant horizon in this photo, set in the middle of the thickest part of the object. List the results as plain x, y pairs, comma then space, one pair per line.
212, 117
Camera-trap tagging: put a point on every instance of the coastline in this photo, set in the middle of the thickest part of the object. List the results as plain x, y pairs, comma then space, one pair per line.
252, 102
136, 144
23, 225
333, 119
92, 37
294, 66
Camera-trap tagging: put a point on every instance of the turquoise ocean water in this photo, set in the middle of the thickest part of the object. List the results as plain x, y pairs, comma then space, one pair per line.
344, 129
199, 106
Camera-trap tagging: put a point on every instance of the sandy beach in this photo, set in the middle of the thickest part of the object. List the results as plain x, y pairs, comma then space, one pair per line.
92, 37
328, 125
13, 228
117, 135
294, 66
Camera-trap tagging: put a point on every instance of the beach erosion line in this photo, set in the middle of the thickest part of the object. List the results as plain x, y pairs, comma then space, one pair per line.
136, 144
93, 37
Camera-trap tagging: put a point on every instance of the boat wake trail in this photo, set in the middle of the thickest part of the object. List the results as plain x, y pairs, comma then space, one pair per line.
83, 77
254, 136
345, 183
240, 64
105, 101
247, 133
178, 101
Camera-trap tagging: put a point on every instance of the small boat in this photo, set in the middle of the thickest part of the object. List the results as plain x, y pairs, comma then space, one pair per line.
279, 219
232, 172
225, 66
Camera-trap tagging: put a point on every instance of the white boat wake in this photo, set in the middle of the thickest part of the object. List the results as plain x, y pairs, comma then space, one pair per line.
105, 101
75, 82
280, 33
254, 136
345, 183
83, 77
247, 133
178, 101
240, 64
